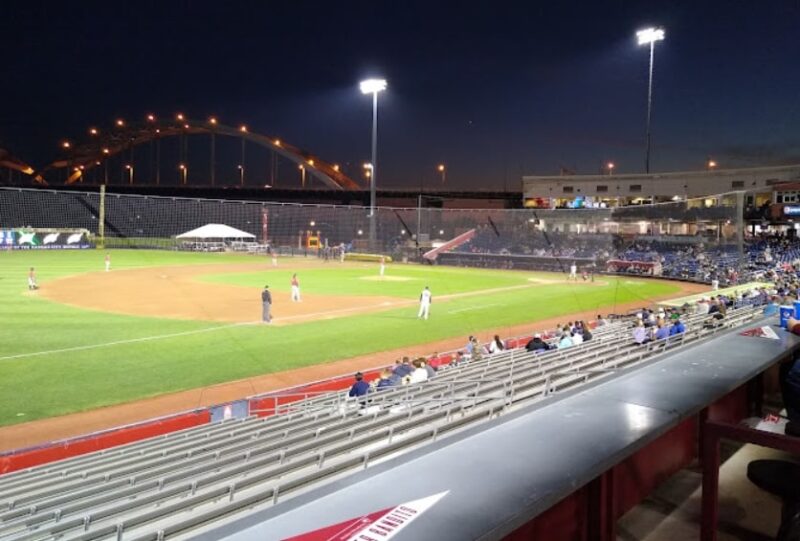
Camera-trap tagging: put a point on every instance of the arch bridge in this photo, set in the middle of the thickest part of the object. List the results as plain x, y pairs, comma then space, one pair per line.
114, 150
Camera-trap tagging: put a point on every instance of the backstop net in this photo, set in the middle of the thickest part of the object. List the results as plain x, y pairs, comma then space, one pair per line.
702, 239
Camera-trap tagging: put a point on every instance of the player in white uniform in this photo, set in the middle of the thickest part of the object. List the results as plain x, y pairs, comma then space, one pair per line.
573, 272
424, 303
108, 262
383, 266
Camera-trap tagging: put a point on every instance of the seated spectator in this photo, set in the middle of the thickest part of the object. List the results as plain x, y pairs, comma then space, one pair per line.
428, 368
496, 345
601, 322
771, 309
360, 387
587, 334
677, 328
419, 374
386, 380
435, 361
460, 359
639, 333
537, 344
565, 342
470, 348
576, 336
662, 331
402, 369
477, 351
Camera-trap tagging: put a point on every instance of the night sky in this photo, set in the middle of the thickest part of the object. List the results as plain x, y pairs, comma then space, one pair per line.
492, 89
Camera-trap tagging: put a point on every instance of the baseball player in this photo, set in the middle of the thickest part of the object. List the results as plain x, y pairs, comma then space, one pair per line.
573, 272
383, 267
342, 252
274, 257
108, 262
32, 280
295, 288
424, 303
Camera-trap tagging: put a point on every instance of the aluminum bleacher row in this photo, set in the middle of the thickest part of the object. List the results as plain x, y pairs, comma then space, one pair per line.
174, 485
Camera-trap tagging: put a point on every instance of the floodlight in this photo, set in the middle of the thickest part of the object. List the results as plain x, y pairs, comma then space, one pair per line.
372, 86
649, 35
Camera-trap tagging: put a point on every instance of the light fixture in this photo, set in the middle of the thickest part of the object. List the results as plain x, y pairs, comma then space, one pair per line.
650, 35
371, 86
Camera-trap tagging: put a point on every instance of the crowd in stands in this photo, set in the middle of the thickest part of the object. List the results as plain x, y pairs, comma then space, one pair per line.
683, 258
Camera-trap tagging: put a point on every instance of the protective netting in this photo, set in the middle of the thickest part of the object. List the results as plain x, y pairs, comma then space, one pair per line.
698, 239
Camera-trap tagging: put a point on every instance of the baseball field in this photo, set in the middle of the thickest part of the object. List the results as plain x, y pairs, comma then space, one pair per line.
161, 322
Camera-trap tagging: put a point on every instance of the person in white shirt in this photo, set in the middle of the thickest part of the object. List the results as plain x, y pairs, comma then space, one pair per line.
577, 337
382, 267
419, 374
573, 272
108, 262
496, 345
424, 303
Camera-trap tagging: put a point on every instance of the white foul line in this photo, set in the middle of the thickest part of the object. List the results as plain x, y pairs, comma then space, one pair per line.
472, 308
129, 341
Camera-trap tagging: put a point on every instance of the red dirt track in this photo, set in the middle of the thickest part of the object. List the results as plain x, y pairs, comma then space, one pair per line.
110, 291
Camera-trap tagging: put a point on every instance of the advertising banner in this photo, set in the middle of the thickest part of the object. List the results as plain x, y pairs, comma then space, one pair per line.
32, 239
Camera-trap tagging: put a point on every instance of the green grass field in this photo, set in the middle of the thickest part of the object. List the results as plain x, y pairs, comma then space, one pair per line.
57, 359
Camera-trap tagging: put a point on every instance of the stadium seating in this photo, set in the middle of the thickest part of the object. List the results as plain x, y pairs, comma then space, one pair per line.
166, 486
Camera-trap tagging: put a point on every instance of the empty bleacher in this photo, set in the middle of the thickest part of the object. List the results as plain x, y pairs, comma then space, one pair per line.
165, 487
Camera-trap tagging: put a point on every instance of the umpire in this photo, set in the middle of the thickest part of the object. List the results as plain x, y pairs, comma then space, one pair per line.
266, 305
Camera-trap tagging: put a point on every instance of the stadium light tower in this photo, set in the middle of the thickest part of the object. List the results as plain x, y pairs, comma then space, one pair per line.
373, 86
649, 36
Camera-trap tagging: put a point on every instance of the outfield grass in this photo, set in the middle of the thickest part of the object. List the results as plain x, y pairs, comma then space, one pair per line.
35, 385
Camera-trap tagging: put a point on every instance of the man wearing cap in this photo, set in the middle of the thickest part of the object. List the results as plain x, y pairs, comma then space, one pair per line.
360, 387
266, 305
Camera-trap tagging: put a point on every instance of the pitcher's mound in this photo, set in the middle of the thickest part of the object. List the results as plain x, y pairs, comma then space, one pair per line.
387, 278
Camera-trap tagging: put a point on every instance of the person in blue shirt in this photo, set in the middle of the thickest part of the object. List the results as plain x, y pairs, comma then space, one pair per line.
677, 328
663, 331
772, 308
360, 387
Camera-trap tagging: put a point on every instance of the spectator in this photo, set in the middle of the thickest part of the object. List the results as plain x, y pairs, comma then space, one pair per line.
477, 351
470, 348
537, 344
677, 328
435, 361
639, 333
576, 336
587, 334
772, 308
662, 331
601, 322
428, 368
360, 387
565, 341
402, 369
386, 380
496, 345
419, 374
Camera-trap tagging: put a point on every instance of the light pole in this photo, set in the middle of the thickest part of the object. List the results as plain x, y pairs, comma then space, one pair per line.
184, 173
441, 168
241, 175
373, 86
610, 166
129, 167
711, 165
649, 36
302, 169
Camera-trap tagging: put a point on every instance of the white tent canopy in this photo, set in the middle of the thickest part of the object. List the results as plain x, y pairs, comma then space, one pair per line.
216, 231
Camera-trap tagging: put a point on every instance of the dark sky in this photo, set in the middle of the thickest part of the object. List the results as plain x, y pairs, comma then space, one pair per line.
492, 89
